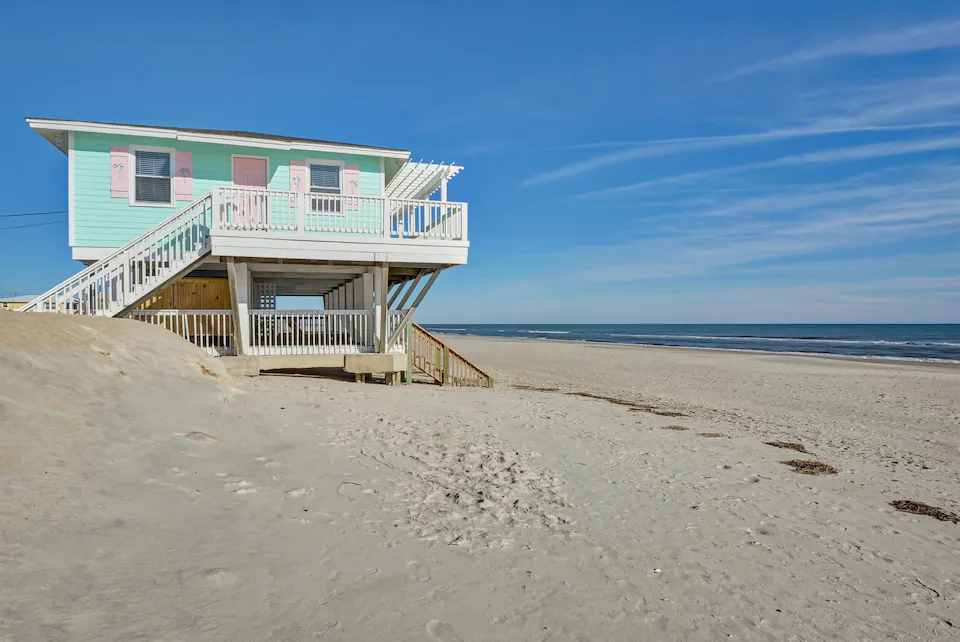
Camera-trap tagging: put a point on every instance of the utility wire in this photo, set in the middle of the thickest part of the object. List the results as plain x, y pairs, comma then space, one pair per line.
32, 214
17, 227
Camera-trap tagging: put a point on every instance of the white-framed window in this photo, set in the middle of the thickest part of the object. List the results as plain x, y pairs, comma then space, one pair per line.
152, 176
326, 186
325, 179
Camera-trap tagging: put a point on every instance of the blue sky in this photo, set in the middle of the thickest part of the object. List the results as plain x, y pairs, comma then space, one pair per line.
678, 162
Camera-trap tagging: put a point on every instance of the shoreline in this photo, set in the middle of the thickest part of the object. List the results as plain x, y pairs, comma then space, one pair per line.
872, 359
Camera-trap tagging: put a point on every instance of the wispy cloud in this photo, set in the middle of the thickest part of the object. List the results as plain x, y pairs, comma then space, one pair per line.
924, 37
656, 148
843, 154
906, 105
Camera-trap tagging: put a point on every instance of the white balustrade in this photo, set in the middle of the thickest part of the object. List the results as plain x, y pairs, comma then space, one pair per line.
211, 330
266, 211
394, 317
428, 219
301, 332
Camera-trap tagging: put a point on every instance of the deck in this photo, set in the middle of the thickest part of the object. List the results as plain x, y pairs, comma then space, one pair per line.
306, 226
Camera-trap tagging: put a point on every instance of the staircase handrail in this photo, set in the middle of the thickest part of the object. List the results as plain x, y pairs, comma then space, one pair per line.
94, 267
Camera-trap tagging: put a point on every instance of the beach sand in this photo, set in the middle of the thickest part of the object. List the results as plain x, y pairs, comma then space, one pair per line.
144, 494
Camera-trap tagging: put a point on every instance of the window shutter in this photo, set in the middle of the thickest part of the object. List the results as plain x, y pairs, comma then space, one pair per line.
351, 186
120, 172
298, 176
183, 177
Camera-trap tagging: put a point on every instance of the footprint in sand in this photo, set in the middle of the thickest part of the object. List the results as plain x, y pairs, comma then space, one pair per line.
240, 487
349, 490
202, 438
220, 577
440, 630
417, 571
299, 492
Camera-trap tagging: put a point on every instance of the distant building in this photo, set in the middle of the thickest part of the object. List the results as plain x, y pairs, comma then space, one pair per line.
16, 302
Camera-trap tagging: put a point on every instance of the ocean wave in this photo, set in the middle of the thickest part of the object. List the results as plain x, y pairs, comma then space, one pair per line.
796, 353
940, 344
546, 331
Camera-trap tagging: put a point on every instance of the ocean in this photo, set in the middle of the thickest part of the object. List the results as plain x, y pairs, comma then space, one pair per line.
921, 342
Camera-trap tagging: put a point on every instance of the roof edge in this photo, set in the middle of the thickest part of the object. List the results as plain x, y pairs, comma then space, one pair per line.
215, 136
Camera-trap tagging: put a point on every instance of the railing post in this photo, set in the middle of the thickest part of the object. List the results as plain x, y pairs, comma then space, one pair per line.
387, 223
446, 365
463, 223
215, 211
408, 379
301, 202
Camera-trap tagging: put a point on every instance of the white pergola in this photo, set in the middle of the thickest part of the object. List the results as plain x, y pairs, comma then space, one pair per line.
420, 180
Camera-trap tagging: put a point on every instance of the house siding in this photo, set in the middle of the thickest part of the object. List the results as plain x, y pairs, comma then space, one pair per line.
104, 221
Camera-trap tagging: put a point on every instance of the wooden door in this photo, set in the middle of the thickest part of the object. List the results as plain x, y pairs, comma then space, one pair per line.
250, 204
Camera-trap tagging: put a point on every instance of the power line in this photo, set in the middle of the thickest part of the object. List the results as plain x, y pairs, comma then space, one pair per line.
17, 227
32, 214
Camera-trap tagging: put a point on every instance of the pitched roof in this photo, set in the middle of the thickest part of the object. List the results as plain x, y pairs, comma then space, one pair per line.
174, 132
22, 298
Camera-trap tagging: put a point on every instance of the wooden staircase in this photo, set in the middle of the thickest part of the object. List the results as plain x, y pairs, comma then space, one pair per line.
442, 363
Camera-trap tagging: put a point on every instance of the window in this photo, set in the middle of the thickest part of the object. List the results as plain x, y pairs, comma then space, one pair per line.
325, 179
153, 178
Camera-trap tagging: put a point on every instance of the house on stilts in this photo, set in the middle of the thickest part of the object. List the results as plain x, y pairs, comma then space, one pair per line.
201, 230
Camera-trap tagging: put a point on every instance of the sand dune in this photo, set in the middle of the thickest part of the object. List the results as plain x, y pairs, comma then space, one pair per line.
141, 498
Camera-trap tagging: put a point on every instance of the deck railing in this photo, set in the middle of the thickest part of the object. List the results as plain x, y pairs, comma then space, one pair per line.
273, 211
428, 220
211, 330
302, 332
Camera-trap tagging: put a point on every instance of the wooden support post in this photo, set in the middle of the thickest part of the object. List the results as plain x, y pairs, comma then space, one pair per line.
408, 315
382, 302
397, 291
446, 365
413, 287
409, 374
235, 305
359, 378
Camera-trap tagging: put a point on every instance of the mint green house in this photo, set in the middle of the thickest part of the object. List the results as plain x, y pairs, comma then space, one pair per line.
200, 230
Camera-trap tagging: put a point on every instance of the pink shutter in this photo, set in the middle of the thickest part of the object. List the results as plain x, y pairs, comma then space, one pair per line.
120, 168
298, 179
298, 176
351, 186
183, 176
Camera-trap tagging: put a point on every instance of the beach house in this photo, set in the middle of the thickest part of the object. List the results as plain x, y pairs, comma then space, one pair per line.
14, 303
202, 230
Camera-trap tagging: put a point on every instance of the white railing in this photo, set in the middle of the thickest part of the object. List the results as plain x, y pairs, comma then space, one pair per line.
211, 330
267, 211
428, 220
281, 332
114, 283
345, 214
394, 317
242, 208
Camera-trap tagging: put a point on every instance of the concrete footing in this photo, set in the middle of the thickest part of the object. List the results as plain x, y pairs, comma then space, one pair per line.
358, 364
